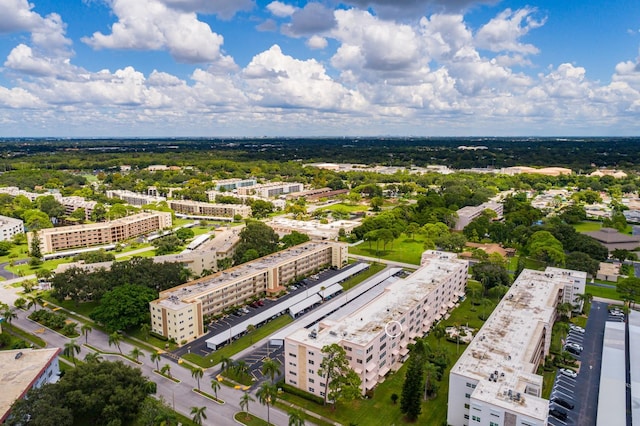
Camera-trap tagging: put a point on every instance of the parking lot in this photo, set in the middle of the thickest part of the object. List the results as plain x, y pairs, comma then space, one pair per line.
577, 398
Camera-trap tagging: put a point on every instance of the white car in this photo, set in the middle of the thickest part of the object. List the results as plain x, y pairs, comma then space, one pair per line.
576, 328
568, 373
575, 346
617, 313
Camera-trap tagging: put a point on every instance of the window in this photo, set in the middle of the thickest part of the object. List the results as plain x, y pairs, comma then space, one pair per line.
311, 353
292, 355
359, 361
466, 406
369, 358
311, 371
471, 385
321, 393
311, 362
496, 424
293, 373
475, 418
311, 381
467, 395
311, 390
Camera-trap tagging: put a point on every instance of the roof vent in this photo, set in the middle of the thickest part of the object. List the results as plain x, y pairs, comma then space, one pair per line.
18, 355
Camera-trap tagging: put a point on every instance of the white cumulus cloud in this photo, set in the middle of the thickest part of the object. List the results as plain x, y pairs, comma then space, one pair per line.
280, 9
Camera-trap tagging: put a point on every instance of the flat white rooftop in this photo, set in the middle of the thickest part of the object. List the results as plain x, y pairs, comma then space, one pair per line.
507, 342
19, 373
367, 322
173, 298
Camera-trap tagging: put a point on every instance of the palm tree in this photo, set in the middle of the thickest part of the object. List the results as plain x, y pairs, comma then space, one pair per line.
564, 309
241, 368
92, 357
267, 395
156, 357
226, 362
198, 414
296, 418
35, 301
135, 353
562, 328
85, 330
244, 402
197, 373
439, 332
271, 368
215, 385
71, 349
584, 298
9, 315
166, 369
114, 339
485, 303
250, 328
432, 374
145, 329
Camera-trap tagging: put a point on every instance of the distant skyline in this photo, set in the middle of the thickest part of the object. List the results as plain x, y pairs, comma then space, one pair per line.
216, 68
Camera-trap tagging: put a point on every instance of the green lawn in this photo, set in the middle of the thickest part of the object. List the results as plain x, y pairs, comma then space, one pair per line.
380, 410
606, 292
588, 226
240, 344
249, 419
351, 208
20, 334
402, 249
363, 276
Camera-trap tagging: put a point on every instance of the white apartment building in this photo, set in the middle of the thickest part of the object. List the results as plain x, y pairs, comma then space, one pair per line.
73, 203
199, 208
93, 234
25, 369
134, 198
376, 336
231, 184
494, 382
10, 227
178, 313
269, 190
313, 228
467, 214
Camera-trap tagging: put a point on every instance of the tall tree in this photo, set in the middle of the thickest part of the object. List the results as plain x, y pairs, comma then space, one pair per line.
215, 385
135, 353
267, 395
71, 348
341, 382
197, 373
124, 307
271, 368
244, 402
198, 414
629, 289
86, 329
156, 357
35, 245
114, 339
411, 397
296, 418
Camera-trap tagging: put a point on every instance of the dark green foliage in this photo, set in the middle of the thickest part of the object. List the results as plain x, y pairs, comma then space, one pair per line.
124, 307
83, 286
491, 275
103, 393
293, 239
412, 388
582, 262
259, 237
184, 234
95, 256
55, 321
166, 245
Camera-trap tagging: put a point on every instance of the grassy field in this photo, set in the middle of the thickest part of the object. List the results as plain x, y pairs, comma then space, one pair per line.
606, 292
363, 276
351, 208
20, 334
380, 410
240, 344
402, 249
587, 226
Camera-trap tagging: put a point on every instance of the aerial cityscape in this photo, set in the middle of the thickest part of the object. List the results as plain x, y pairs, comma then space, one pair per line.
358, 213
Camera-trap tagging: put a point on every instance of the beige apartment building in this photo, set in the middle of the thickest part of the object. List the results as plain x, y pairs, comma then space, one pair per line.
134, 198
179, 312
495, 381
199, 208
70, 237
466, 215
376, 336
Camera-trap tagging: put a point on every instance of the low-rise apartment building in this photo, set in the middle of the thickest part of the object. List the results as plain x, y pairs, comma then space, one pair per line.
231, 184
376, 336
134, 198
73, 203
10, 227
179, 312
313, 228
467, 214
93, 234
269, 190
495, 382
22, 370
199, 208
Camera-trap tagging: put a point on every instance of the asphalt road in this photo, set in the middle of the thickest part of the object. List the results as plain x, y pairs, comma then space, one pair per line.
588, 381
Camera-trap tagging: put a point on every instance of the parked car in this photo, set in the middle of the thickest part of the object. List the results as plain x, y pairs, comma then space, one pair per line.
576, 328
572, 350
569, 373
558, 414
575, 345
260, 303
563, 402
616, 313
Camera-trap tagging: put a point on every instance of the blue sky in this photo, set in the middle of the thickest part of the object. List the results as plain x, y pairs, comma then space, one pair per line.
118, 68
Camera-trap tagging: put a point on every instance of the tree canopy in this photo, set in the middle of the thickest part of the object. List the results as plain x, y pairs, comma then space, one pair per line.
124, 307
